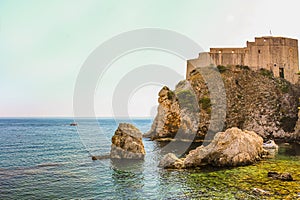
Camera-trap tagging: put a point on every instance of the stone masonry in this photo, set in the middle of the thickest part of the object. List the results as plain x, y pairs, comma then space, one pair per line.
276, 54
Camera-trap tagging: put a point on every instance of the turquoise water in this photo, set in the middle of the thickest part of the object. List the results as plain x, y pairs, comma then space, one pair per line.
48, 159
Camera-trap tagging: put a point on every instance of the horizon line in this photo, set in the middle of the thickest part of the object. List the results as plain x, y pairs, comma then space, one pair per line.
100, 117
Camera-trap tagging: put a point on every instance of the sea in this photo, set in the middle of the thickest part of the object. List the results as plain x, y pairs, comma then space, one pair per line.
46, 158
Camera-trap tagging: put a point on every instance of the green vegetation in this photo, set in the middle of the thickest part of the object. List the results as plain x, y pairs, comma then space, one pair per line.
239, 182
243, 67
171, 95
221, 68
283, 85
266, 73
187, 99
205, 102
284, 88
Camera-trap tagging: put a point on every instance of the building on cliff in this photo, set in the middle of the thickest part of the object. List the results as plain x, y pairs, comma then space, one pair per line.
277, 54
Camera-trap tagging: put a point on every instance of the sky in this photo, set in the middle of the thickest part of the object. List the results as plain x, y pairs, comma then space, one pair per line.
44, 44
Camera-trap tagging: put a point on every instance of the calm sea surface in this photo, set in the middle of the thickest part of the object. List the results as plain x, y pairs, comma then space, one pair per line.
48, 159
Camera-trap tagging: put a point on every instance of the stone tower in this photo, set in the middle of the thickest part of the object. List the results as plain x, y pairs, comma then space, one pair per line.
277, 54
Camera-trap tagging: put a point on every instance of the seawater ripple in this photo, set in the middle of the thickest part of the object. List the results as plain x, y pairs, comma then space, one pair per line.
45, 159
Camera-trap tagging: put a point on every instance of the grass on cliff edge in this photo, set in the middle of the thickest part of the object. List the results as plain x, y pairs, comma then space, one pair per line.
187, 99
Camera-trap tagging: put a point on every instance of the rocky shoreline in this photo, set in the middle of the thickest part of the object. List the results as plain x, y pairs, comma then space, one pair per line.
233, 147
259, 108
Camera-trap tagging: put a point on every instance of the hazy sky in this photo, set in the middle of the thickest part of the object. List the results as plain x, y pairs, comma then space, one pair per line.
43, 45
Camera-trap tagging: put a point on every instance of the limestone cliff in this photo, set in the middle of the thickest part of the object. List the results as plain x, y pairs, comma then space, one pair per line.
255, 101
178, 114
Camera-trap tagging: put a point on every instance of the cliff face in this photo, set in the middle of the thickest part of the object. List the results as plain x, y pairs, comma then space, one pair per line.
178, 113
259, 102
255, 101
167, 121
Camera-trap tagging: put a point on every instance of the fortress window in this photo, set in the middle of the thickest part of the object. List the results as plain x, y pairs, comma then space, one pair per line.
232, 51
259, 51
220, 51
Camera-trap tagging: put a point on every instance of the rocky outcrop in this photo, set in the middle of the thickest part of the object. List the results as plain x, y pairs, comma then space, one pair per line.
170, 161
167, 121
255, 101
259, 102
127, 143
178, 114
261, 192
233, 147
283, 176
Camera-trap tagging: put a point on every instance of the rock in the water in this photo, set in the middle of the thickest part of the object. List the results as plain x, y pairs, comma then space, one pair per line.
284, 176
170, 161
261, 192
127, 143
271, 148
270, 145
102, 157
273, 174
233, 147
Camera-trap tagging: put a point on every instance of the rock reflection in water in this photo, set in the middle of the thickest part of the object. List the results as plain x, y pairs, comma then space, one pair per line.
290, 149
128, 178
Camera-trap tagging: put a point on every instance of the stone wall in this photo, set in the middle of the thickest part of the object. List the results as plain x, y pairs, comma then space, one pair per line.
272, 53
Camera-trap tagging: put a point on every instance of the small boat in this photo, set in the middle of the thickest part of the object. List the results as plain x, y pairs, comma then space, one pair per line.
73, 124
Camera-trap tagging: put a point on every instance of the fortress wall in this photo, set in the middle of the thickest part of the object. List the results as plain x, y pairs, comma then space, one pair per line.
227, 56
203, 60
271, 53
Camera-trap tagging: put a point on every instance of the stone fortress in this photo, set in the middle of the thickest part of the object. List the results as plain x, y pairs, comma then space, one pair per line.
277, 54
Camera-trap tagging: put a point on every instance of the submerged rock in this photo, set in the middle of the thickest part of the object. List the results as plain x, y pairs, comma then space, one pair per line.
261, 192
284, 176
127, 143
102, 157
233, 147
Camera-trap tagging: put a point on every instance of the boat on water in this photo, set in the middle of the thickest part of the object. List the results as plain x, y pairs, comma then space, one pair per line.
73, 124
